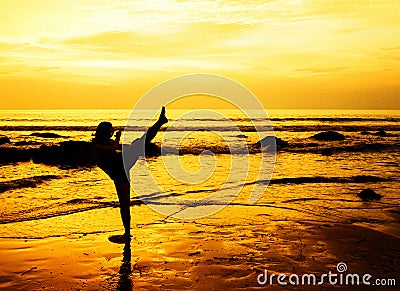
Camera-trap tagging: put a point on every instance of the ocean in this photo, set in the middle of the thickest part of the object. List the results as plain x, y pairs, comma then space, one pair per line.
307, 180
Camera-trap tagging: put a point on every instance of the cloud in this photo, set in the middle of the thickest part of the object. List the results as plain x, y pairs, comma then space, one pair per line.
318, 71
392, 53
117, 39
188, 39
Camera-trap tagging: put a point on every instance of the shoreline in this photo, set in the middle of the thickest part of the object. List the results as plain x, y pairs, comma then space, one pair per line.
209, 253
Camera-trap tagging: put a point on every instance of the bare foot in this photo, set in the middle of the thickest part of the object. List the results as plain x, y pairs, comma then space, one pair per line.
120, 239
163, 119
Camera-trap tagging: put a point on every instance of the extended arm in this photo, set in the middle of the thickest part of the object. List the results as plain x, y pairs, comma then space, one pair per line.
101, 149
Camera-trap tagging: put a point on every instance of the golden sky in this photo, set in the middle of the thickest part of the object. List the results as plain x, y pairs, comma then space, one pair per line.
291, 54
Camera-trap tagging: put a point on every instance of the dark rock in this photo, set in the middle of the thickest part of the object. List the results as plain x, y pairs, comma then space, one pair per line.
365, 132
66, 154
26, 142
281, 143
270, 143
311, 144
4, 139
47, 155
152, 150
45, 134
327, 152
76, 154
70, 153
14, 154
381, 133
368, 194
328, 136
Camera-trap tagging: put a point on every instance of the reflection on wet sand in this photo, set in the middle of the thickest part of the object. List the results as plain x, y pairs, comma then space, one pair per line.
125, 282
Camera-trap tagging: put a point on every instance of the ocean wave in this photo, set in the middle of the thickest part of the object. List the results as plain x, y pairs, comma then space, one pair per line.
60, 209
339, 119
73, 153
337, 127
85, 204
321, 179
25, 182
201, 127
317, 148
233, 118
219, 128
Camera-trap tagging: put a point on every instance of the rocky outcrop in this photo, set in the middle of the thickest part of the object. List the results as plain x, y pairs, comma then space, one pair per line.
381, 133
270, 142
14, 154
328, 136
152, 150
327, 152
4, 139
369, 194
46, 134
26, 143
67, 153
71, 153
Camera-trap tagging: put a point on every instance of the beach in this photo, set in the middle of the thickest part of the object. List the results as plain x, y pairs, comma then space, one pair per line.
199, 145
209, 254
56, 219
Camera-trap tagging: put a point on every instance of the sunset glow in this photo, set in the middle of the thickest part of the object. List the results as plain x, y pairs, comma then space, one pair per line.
291, 54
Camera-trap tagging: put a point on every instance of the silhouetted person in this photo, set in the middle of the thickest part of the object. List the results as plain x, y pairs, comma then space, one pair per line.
108, 156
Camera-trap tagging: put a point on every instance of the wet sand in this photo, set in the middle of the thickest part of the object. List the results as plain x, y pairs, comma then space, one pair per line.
225, 251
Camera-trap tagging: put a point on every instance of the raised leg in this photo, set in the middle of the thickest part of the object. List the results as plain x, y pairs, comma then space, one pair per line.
152, 131
136, 149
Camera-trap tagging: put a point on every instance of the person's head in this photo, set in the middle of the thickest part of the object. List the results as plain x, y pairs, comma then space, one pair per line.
104, 132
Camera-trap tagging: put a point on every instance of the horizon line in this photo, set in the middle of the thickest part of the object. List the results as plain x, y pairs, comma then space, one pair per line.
186, 108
